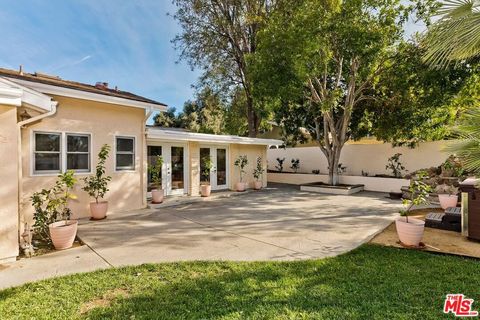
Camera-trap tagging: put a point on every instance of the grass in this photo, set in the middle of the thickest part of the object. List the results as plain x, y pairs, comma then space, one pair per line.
371, 282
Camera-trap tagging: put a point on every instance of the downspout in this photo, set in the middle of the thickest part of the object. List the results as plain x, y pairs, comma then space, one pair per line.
143, 178
20, 126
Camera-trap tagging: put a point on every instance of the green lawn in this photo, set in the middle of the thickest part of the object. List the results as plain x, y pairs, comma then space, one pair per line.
367, 283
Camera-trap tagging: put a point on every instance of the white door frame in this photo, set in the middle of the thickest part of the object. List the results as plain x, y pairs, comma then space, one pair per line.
213, 173
167, 169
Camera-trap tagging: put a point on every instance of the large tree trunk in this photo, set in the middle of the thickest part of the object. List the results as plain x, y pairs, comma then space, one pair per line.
251, 118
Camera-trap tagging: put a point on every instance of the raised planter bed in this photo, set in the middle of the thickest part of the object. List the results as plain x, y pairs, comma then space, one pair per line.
371, 183
344, 189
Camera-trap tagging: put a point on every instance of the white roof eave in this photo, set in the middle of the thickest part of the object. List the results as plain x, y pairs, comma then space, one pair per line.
79, 94
15, 94
170, 135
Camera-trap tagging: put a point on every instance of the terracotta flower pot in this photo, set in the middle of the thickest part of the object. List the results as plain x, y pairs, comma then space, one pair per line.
240, 186
205, 190
447, 200
98, 211
410, 233
63, 233
257, 185
157, 196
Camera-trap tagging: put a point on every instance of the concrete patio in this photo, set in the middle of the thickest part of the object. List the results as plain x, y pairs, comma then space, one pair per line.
279, 223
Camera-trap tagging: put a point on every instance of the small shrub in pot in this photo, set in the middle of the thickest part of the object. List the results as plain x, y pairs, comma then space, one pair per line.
295, 165
155, 171
97, 186
52, 214
241, 162
205, 187
258, 173
410, 230
447, 195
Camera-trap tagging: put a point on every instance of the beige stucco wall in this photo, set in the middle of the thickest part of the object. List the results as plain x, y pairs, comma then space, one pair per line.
252, 152
194, 166
9, 185
371, 158
103, 121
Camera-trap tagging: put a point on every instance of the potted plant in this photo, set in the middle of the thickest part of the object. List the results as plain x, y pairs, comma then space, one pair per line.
156, 175
52, 214
447, 195
205, 187
241, 162
97, 186
410, 230
258, 173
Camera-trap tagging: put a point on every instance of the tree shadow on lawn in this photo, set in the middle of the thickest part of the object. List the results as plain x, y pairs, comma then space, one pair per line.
370, 282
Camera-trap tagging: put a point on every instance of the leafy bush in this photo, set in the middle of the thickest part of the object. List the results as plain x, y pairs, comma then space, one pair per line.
259, 170
156, 172
419, 193
395, 165
241, 162
280, 164
207, 165
97, 185
295, 165
51, 205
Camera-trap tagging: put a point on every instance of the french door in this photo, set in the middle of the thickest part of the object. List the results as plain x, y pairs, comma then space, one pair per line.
174, 169
219, 173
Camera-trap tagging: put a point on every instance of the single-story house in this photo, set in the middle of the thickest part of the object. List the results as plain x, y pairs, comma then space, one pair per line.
49, 125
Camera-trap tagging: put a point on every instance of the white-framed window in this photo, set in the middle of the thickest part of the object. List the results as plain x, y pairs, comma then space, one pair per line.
47, 152
78, 152
124, 153
56, 152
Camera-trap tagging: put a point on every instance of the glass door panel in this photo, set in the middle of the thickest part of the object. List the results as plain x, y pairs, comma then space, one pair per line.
221, 168
177, 169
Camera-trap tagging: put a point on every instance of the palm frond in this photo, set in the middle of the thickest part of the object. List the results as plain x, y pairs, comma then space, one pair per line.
468, 148
456, 35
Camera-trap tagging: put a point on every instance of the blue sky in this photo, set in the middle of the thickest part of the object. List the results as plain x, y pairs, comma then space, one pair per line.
125, 43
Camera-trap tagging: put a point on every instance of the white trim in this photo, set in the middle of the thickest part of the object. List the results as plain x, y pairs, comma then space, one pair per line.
90, 143
12, 93
63, 153
134, 153
33, 172
174, 135
80, 94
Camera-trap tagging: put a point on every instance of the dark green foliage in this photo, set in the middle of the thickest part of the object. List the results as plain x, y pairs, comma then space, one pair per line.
395, 165
295, 165
259, 170
156, 172
279, 166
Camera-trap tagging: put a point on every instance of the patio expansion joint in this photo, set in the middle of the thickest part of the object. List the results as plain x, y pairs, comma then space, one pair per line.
242, 236
98, 254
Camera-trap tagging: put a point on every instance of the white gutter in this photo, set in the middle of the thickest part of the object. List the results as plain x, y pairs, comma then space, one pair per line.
144, 166
20, 126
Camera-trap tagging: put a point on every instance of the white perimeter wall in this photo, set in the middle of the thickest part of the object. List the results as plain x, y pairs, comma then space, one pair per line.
371, 158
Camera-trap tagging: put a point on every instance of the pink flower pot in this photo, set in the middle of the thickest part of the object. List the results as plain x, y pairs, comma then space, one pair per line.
257, 185
240, 186
205, 190
63, 233
98, 211
410, 233
447, 200
157, 195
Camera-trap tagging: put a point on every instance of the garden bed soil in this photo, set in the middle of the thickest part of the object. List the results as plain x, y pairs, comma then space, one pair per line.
436, 240
44, 249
